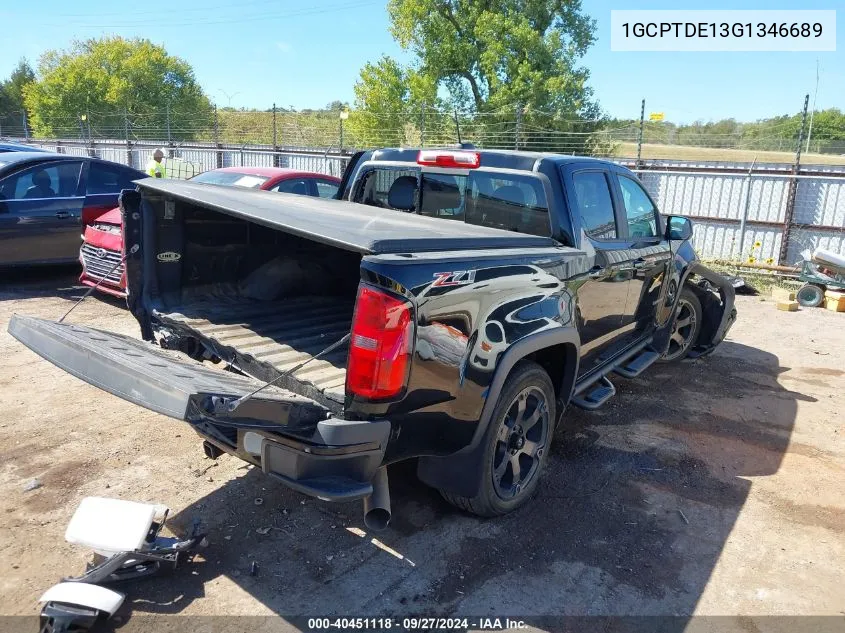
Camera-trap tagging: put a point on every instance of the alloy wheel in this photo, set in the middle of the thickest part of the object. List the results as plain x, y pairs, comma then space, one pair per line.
520, 443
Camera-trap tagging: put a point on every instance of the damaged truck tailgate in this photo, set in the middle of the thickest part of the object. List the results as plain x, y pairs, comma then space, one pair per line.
162, 382
158, 380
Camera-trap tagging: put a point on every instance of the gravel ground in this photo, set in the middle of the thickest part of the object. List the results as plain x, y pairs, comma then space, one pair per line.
713, 487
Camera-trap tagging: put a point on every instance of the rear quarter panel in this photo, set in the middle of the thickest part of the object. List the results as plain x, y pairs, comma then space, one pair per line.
470, 309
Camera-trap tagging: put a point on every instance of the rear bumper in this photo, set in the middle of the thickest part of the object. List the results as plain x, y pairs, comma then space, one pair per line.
337, 463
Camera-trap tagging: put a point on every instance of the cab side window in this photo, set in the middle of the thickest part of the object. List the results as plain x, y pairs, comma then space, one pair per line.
595, 205
639, 210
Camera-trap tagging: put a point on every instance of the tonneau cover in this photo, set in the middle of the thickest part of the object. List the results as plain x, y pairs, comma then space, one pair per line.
348, 225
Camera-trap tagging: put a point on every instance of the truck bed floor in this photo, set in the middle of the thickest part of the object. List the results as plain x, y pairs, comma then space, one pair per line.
268, 338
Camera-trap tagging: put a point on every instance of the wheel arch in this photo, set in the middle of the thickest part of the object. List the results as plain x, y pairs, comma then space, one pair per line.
558, 352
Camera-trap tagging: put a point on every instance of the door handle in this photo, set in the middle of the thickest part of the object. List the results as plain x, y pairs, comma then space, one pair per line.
63, 215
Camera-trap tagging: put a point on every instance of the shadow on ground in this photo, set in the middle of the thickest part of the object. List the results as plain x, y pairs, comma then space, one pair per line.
632, 515
61, 281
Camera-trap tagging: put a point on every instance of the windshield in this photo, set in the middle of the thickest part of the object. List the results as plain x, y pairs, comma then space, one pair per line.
232, 179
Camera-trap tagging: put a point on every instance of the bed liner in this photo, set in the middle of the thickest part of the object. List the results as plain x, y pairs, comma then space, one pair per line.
266, 338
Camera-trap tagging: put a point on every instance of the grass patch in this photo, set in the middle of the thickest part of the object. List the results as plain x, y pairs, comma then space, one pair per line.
762, 280
684, 152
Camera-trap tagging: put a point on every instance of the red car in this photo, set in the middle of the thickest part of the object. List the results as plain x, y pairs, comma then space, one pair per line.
102, 242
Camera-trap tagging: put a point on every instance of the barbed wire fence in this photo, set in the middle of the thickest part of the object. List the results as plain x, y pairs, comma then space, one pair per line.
798, 206
512, 127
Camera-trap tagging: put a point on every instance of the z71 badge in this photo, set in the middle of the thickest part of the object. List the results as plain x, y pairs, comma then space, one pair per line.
454, 278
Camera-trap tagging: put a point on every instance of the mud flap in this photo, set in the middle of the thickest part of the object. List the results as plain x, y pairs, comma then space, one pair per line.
156, 379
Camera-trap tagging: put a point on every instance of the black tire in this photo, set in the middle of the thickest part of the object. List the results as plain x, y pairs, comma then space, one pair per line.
810, 296
512, 466
685, 327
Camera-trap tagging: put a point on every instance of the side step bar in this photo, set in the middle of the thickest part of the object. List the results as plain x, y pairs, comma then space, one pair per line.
600, 392
629, 365
638, 364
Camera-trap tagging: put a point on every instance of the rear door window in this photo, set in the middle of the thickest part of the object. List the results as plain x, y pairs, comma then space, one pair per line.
293, 185
108, 179
326, 188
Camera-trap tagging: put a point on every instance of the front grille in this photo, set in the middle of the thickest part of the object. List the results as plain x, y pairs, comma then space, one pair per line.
99, 261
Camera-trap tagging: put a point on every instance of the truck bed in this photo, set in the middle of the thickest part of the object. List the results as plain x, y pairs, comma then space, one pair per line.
265, 339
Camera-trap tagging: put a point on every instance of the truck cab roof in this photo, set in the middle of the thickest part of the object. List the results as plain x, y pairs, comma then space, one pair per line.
496, 158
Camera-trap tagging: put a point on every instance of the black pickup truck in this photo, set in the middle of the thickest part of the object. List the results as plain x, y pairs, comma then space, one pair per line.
448, 308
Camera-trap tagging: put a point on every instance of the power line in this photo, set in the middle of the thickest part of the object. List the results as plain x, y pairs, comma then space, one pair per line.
165, 21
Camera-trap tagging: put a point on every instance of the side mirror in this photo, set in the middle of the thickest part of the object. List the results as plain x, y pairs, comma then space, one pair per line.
678, 228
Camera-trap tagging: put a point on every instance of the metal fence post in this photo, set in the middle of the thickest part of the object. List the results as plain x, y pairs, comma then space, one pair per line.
789, 212
745, 208
458, 126
126, 137
276, 157
640, 135
167, 118
422, 125
518, 130
219, 147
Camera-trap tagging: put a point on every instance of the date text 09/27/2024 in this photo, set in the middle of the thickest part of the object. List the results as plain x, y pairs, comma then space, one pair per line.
419, 623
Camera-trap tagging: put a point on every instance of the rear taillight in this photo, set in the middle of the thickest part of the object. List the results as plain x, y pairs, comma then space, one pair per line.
380, 347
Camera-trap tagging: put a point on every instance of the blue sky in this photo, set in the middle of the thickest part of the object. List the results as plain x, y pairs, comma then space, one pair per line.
251, 53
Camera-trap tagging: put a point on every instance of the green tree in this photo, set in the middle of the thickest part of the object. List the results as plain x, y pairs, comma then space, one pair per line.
389, 101
499, 60
105, 81
11, 99
500, 52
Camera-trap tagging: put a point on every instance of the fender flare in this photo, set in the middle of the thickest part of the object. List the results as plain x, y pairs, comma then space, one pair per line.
459, 473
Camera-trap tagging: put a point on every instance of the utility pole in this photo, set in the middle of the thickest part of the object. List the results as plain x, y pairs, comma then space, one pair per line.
518, 125
640, 135
813, 112
25, 127
167, 115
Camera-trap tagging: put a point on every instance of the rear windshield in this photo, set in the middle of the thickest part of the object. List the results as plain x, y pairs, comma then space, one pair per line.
231, 179
514, 202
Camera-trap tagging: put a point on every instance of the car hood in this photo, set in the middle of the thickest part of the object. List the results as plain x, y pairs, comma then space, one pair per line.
111, 217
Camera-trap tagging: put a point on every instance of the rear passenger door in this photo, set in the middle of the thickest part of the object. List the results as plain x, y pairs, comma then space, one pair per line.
601, 291
647, 253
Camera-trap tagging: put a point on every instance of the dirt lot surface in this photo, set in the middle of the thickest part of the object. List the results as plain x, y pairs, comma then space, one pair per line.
713, 488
